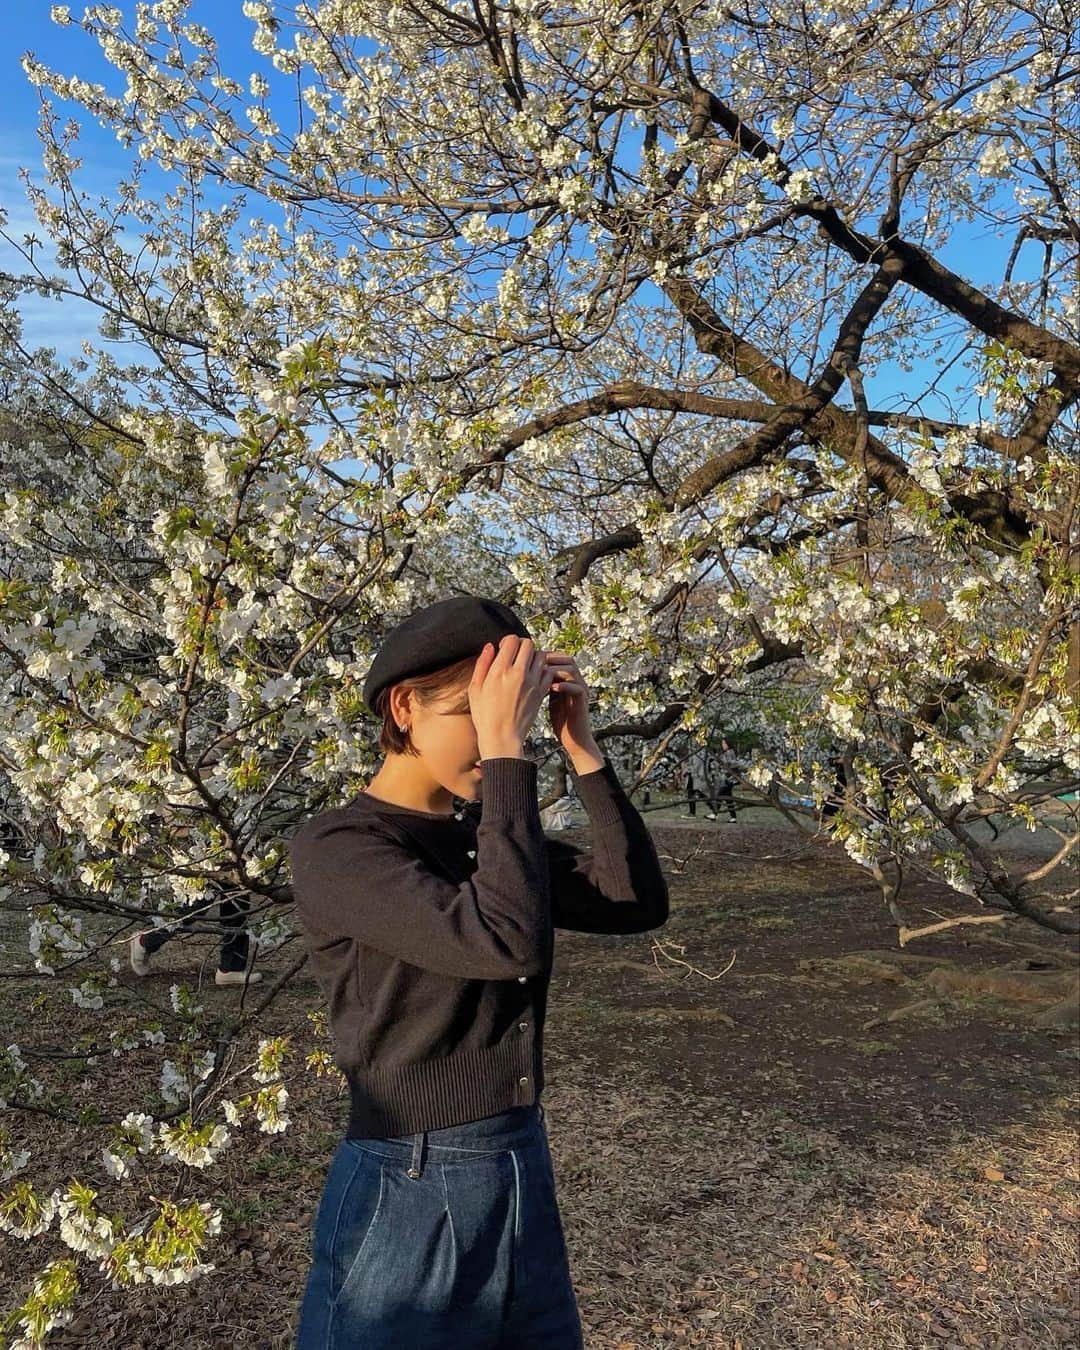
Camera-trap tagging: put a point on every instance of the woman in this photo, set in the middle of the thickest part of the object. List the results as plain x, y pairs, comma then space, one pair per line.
430, 931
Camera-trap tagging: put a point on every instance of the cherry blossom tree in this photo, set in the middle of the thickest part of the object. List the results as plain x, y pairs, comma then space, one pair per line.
581, 306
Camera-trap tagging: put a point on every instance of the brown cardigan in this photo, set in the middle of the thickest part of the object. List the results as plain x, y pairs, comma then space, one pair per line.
431, 937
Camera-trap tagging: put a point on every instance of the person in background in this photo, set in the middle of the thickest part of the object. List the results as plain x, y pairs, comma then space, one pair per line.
725, 767
232, 903
233, 954
834, 801
696, 773
691, 800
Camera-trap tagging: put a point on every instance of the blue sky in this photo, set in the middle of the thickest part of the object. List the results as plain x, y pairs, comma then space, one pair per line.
26, 26
973, 252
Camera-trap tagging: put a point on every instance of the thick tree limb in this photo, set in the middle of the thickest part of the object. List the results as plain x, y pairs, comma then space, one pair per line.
920, 270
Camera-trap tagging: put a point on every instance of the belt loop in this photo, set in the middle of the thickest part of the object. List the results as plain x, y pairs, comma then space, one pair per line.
417, 1165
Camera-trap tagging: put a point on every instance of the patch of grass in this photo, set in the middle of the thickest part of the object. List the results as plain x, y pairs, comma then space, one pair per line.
795, 1146
278, 1165
66, 1071
242, 1208
973, 1002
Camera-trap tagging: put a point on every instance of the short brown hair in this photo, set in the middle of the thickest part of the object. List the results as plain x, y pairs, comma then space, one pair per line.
432, 688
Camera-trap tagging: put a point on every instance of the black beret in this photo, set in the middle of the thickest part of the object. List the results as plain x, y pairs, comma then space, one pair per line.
437, 636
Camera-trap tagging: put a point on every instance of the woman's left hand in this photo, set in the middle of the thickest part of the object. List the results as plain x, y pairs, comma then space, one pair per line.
568, 704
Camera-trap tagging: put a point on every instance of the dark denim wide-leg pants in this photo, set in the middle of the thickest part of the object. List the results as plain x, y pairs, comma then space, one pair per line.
444, 1240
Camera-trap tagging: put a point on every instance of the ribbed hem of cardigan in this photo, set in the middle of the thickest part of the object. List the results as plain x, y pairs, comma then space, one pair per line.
509, 788
601, 794
435, 1093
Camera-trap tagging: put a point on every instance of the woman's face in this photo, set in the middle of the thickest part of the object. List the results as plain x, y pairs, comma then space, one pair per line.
444, 735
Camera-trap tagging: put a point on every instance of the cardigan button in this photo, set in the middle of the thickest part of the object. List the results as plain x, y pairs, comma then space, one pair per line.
522, 979
470, 853
523, 1026
523, 1081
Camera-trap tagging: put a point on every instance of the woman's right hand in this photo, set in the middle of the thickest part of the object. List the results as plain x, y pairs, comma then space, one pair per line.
506, 691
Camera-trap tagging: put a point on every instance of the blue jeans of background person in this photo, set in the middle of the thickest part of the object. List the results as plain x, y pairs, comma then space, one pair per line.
448, 1239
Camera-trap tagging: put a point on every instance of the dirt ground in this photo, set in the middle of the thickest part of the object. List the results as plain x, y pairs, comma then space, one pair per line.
749, 1154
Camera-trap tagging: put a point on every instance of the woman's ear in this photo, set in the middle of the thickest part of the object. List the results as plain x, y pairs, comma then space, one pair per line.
400, 705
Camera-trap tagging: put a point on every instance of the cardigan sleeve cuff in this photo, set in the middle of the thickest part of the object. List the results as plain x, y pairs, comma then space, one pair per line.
509, 788
601, 793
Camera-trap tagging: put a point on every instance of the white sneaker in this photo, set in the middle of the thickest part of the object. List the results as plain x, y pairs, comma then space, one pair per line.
732, 820
237, 976
710, 815
140, 957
